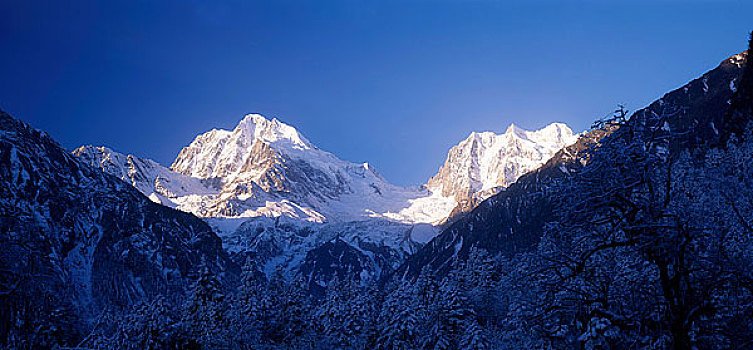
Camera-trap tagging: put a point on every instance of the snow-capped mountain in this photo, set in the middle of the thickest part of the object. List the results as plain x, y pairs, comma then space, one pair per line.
484, 163
513, 220
271, 193
267, 168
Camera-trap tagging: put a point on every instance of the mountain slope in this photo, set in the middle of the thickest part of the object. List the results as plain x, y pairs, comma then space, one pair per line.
368, 248
485, 163
85, 237
513, 220
245, 180
278, 237
267, 168
155, 181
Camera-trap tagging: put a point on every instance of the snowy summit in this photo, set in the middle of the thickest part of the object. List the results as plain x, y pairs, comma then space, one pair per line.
267, 168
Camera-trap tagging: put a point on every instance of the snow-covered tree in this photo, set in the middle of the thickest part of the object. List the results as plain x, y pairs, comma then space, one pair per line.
346, 316
245, 315
398, 322
205, 320
151, 325
285, 312
637, 257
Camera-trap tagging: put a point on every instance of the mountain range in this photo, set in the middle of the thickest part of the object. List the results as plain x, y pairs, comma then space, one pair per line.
513, 221
94, 231
267, 168
277, 198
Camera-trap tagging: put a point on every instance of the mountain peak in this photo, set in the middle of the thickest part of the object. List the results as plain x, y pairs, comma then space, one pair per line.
513, 129
485, 162
271, 131
551, 132
220, 153
555, 132
255, 118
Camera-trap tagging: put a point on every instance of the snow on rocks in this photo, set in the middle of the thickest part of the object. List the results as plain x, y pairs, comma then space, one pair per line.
266, 170
485, 162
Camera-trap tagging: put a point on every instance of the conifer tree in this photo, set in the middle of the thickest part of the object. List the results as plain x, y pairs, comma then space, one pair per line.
398, 321
151, 325
205, 320
246, 315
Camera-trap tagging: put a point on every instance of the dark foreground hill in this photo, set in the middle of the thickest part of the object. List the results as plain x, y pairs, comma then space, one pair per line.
75, 242
514, 220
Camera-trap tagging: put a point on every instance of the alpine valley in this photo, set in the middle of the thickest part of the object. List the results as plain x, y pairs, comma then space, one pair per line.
276, 198
635, 234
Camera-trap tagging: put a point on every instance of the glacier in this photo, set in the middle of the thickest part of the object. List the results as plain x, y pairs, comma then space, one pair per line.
274, 196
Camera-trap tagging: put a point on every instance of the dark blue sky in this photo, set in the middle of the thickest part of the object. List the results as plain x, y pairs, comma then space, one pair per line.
392, 83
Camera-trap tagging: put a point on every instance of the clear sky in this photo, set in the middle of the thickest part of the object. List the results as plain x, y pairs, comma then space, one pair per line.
394, 83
